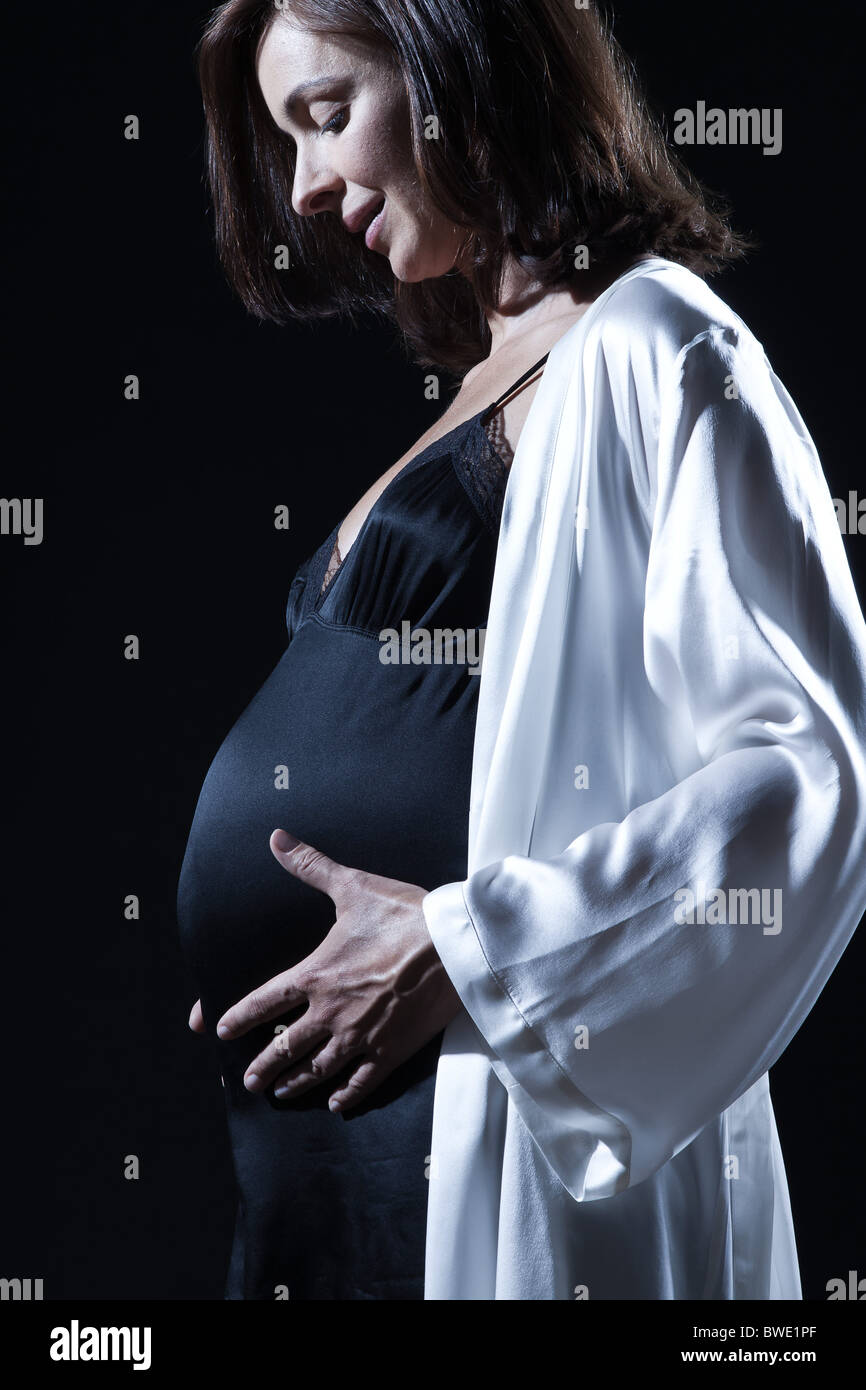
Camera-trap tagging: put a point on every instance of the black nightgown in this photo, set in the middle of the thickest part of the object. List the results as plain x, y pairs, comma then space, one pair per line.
369, 761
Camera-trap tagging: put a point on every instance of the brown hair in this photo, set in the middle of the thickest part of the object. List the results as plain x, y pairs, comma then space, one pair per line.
537, 156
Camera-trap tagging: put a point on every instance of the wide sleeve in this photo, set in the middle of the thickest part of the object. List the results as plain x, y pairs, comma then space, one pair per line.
632, 987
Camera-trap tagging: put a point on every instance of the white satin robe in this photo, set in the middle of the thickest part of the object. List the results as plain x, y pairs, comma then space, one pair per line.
673, 612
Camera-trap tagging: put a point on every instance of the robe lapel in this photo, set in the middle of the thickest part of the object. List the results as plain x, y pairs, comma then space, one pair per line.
540, 545
528, 603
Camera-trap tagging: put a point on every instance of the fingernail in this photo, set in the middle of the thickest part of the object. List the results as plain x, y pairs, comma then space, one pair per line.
222, 1030
252, 1081
333, 1104
284, 841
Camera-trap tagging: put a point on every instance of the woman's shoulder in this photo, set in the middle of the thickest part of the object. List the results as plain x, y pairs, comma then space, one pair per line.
663, 296
652, 315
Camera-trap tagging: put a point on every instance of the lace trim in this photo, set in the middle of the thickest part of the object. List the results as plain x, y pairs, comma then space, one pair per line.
495, 431
334, 564
485, 470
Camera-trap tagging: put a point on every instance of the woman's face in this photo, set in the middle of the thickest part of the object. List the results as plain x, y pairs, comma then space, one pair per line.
352, 136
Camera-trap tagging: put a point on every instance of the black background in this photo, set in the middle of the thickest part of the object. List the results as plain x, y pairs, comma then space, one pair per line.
158, 521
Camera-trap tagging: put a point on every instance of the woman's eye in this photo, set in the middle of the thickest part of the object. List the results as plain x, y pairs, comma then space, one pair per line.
331, 124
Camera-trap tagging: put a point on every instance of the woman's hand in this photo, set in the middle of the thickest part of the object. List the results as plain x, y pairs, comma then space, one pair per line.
375, 989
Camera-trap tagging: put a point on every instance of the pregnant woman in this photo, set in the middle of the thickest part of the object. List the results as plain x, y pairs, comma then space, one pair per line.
379, 758
387, 897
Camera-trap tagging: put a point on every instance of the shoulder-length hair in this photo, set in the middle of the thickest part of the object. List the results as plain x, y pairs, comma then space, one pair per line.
545, 144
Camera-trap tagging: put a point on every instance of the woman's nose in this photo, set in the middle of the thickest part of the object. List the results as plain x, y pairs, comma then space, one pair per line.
314, 189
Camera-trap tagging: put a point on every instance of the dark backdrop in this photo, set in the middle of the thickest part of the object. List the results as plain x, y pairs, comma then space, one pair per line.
158, 521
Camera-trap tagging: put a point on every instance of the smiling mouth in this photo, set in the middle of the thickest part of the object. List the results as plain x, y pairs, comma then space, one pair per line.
372, 227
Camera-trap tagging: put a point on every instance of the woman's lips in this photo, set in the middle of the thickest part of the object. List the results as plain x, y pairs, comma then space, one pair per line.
373, 230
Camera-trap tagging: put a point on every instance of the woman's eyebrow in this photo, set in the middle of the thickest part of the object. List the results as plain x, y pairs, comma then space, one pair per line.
328, 79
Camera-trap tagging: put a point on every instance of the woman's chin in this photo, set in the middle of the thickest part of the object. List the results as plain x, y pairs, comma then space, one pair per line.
408, 269
414, 258
417, 268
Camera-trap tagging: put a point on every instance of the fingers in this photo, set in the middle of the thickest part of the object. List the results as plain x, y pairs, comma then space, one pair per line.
278, 996
311, 865
289, 1045
196, 1018
325, 1062
364, 1080
319, 1058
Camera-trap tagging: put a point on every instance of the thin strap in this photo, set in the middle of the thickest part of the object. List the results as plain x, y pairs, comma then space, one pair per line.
518, 382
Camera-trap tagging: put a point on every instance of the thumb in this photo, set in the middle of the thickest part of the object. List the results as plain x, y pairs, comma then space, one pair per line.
309, 864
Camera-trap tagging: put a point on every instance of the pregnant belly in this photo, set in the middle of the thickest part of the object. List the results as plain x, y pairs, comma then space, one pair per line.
369, 763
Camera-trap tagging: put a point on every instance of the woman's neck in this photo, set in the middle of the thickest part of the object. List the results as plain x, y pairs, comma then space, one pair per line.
525, 306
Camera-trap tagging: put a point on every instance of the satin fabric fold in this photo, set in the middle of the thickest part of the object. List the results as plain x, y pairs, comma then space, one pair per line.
672, 701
